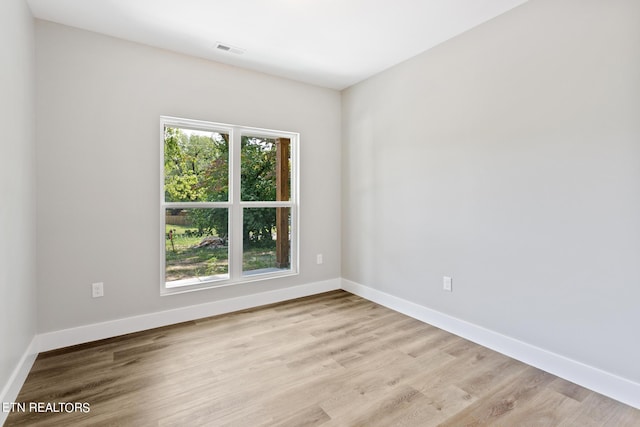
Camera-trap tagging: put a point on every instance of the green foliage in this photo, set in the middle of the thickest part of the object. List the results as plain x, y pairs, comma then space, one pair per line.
210, 221
183, 188
258, 183
258, 169
196, 168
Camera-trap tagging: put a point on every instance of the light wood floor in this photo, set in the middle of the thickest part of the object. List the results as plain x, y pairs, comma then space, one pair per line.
331, 360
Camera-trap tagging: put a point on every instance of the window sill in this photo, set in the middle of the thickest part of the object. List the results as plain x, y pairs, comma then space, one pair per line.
211, 282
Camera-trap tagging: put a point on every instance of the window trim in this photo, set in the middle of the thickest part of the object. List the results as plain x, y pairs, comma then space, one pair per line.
234, 204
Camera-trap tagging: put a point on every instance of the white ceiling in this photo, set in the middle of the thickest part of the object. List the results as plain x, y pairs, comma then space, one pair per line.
330, 43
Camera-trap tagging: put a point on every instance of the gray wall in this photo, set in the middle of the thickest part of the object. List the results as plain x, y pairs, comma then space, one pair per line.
509, 159
17, 185
99, 103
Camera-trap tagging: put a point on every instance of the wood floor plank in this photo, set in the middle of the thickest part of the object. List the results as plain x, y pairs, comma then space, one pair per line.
493, 408
332, 359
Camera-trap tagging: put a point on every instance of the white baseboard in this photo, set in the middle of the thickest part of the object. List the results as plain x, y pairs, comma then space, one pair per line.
12, 388
97, 331
595, 379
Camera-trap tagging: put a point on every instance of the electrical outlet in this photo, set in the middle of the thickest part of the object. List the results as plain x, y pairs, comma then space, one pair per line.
446, 284
97, 289
319, 259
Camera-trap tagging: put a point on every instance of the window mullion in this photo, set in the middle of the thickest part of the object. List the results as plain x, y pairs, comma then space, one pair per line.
235, 263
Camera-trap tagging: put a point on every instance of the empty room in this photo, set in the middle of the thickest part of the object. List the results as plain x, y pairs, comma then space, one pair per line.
320, 213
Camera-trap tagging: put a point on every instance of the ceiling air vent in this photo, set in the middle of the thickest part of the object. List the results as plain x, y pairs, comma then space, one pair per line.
228, 48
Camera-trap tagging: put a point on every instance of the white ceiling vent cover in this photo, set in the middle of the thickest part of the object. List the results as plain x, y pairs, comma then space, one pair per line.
228, 48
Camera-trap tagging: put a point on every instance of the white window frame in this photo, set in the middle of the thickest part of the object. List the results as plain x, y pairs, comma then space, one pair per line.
234, 204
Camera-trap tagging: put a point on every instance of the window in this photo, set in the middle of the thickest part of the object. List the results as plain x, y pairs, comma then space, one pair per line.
228, 204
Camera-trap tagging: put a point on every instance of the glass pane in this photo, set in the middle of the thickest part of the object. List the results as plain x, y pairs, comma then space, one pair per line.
196, 165
266, 169
196, 246
266, 240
